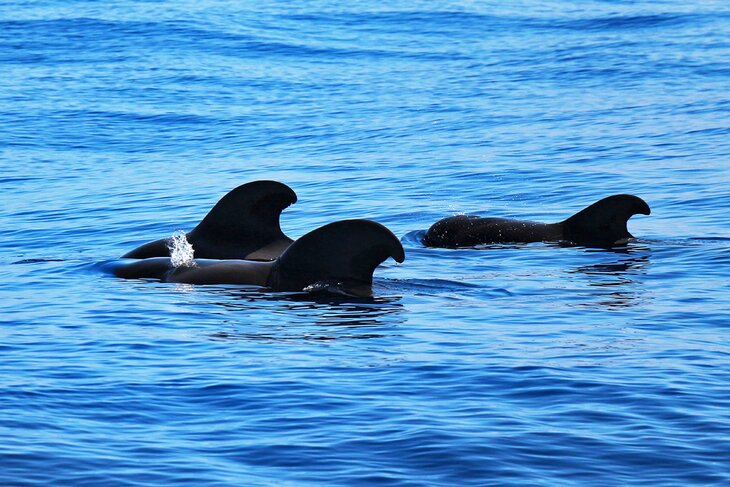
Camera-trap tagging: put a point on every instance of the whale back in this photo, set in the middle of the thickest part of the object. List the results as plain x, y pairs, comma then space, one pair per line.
346, 252
470, 230
603, 223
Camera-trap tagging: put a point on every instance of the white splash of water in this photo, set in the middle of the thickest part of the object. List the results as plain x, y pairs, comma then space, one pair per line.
181, 251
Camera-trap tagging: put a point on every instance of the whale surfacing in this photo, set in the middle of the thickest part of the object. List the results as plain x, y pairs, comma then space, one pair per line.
345, 253
602, 224
244, 224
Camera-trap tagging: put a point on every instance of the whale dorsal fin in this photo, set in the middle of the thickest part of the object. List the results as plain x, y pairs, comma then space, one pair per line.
604, 222
346, 252
243, 222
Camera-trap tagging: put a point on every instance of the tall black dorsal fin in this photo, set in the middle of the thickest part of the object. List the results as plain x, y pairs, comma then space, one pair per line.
346, 251
242, 222
604, 222
250, 210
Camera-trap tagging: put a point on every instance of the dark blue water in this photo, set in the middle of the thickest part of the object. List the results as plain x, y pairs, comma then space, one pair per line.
123, 121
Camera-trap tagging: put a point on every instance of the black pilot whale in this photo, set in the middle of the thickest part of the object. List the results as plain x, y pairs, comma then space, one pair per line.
342, 254
602, 224
244, 224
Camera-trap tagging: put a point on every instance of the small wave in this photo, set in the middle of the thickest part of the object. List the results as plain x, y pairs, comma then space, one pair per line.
624, 22
329, 287
709, 239
35, 261
414, 237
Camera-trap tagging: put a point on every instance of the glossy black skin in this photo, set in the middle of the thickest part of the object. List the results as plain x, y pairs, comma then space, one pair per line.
345, 252
602, 224
244, 224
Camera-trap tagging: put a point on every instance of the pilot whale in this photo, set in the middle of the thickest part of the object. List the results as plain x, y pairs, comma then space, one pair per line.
602, 224
343, 254
244, 224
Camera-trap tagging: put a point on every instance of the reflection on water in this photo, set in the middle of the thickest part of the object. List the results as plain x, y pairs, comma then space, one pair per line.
622, 270
311, 316
617, 283
184, 287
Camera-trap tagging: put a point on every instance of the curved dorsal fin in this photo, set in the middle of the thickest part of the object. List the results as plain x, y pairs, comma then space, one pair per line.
250, 209
243, 221
346, 251
604, 222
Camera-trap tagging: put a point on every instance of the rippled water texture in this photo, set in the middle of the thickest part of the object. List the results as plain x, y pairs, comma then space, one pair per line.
124, 121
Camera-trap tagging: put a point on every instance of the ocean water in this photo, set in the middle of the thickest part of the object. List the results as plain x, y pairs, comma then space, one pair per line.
124, 121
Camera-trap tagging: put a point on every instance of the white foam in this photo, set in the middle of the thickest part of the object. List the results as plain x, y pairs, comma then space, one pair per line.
181, 251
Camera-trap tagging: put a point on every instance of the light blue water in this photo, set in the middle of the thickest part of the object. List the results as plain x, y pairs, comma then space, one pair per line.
123, 121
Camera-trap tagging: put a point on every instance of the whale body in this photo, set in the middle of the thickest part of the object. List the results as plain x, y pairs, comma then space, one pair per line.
602, 224
343, 253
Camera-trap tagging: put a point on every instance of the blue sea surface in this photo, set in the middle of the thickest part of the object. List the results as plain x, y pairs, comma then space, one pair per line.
124, 121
